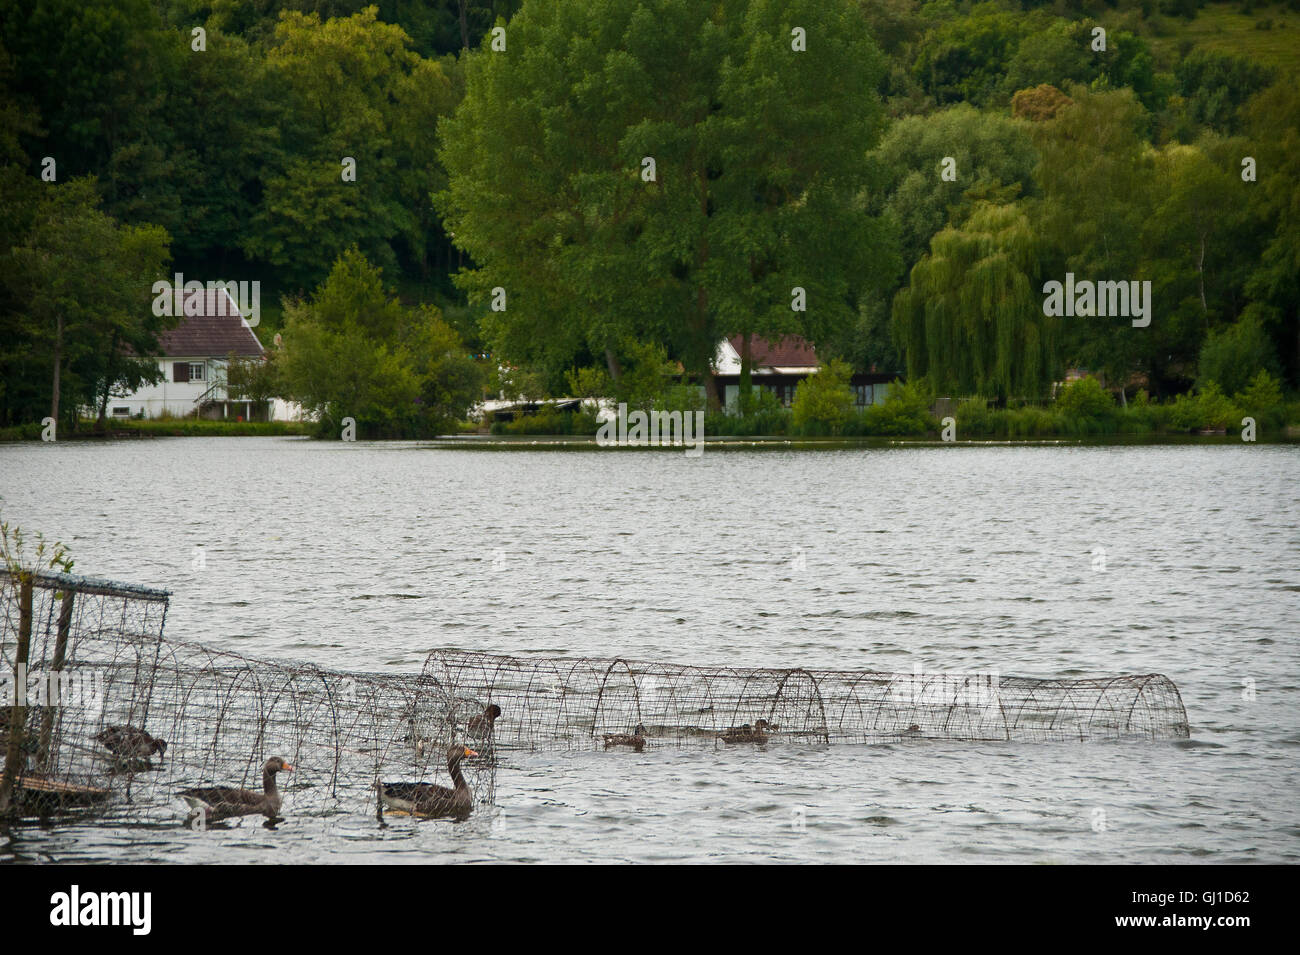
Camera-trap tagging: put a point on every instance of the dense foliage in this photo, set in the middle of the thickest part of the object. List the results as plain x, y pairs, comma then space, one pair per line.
422, 181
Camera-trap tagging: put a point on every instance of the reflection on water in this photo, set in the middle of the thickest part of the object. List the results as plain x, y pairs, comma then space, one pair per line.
957, 559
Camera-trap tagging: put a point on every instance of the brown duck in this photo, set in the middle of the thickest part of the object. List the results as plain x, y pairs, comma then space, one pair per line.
760, 732
131, 743
481, 725
426, 799
635, 739
223, 802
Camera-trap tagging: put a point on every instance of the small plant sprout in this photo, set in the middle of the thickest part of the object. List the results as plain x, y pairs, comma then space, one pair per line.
48, 555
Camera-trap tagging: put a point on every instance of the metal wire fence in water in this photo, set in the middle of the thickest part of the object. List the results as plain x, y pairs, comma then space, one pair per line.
564, 703
222, 715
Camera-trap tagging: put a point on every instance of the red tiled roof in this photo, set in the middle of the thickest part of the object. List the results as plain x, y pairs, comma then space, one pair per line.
789, 351
217, 331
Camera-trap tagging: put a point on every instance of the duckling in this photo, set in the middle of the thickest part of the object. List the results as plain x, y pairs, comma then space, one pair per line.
636, 739
760, 732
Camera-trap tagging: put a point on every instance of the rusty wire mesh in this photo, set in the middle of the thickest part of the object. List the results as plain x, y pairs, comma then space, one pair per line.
565, 703
223, 714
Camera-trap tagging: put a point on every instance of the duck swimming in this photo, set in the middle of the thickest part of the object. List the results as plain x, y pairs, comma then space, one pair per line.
481, 725
635, 739
760, 732
427, 799
132, 744
224, 802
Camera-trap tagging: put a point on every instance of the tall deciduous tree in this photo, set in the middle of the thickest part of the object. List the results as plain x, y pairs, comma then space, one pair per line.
971, 320
667, 171
357, 92
78, 293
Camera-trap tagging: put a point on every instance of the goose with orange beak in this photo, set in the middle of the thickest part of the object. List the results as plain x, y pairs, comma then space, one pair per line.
427, 799
215, 803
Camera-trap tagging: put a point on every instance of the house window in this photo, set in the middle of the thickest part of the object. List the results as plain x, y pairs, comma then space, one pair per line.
121, 411
862, 395
196, 371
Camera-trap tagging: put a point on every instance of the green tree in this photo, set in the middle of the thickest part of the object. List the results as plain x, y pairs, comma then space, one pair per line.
757, 152
1215, 86
355, 90
98, 72
1099, 191
823, 403
966, 57
1235, 356
254, 379
77, 293
353, 351
990, 154
971, 320
1273, 125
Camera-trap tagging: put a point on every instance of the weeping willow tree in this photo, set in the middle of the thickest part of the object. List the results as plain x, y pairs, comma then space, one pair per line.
970, 320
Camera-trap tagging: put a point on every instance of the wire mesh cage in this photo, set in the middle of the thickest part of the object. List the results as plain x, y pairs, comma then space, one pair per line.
566, 703
100, 707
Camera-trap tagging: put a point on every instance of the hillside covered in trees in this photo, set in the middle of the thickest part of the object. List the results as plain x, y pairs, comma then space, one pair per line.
592, 195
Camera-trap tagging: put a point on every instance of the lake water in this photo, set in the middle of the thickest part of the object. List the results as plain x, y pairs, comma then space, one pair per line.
366, 556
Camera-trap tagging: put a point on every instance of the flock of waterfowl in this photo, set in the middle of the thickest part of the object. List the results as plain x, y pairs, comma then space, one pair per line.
132, 749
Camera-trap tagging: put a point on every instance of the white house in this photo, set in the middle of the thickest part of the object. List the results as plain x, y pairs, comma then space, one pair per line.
194, 358
780, 365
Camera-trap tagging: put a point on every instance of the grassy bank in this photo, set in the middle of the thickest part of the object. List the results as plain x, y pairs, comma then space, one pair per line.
161, 428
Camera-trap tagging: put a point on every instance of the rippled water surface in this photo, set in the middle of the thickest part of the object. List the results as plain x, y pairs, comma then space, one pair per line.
366, 556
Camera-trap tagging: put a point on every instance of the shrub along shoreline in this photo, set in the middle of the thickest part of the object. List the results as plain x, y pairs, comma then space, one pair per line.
823, 408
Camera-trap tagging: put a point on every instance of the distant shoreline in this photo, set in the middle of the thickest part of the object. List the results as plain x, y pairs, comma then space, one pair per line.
494, 442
